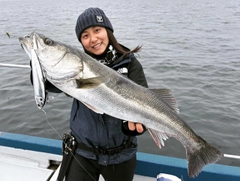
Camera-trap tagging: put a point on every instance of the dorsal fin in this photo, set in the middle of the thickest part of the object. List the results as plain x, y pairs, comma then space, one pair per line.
167, 96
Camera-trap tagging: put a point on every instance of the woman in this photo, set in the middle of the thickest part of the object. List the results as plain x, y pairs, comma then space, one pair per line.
106, 145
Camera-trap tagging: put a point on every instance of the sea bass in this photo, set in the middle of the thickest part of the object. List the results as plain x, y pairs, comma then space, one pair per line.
106, 91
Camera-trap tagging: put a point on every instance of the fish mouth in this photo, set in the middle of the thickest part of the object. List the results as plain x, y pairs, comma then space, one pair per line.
23, 42
24, 39
26, 44
29, 41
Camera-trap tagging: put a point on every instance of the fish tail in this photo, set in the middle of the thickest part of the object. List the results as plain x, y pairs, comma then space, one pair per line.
197, 159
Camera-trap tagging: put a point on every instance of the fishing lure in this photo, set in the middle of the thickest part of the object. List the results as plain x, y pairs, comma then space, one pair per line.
39, 80
8, 34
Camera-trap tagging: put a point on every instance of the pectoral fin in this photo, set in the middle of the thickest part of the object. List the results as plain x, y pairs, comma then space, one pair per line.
90, 82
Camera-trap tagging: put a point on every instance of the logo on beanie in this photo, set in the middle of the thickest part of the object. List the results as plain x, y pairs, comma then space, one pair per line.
99, 19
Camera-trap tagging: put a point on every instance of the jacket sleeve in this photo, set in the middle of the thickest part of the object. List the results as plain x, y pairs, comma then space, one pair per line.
136, 74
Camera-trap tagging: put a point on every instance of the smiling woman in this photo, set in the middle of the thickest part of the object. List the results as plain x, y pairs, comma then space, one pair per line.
95, 32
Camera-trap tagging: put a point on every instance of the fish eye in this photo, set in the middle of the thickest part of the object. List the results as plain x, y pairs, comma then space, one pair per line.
48, 41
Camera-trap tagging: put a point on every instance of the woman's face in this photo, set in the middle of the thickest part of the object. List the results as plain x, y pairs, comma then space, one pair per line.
95, 40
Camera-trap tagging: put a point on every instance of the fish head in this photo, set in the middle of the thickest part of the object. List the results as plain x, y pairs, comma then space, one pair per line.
57, 60
48, 51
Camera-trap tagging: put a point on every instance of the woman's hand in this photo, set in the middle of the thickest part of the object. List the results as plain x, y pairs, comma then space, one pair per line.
135, 126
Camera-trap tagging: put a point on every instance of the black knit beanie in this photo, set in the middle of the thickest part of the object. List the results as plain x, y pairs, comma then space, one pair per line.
91, 17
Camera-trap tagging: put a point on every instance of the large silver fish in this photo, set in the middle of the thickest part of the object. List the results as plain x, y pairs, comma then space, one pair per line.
106, 91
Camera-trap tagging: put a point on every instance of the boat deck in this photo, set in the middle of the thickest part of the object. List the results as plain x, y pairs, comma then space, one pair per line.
17, 162
24, 165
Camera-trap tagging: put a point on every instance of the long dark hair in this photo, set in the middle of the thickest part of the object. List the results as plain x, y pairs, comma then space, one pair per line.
117, 46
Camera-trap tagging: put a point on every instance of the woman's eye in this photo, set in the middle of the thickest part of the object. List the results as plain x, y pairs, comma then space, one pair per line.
84, 36
48, 41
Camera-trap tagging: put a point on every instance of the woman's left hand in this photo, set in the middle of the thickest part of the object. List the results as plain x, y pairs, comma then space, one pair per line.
135, 126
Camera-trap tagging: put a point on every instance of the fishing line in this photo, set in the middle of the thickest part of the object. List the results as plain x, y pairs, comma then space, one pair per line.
45, 113
50, 124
